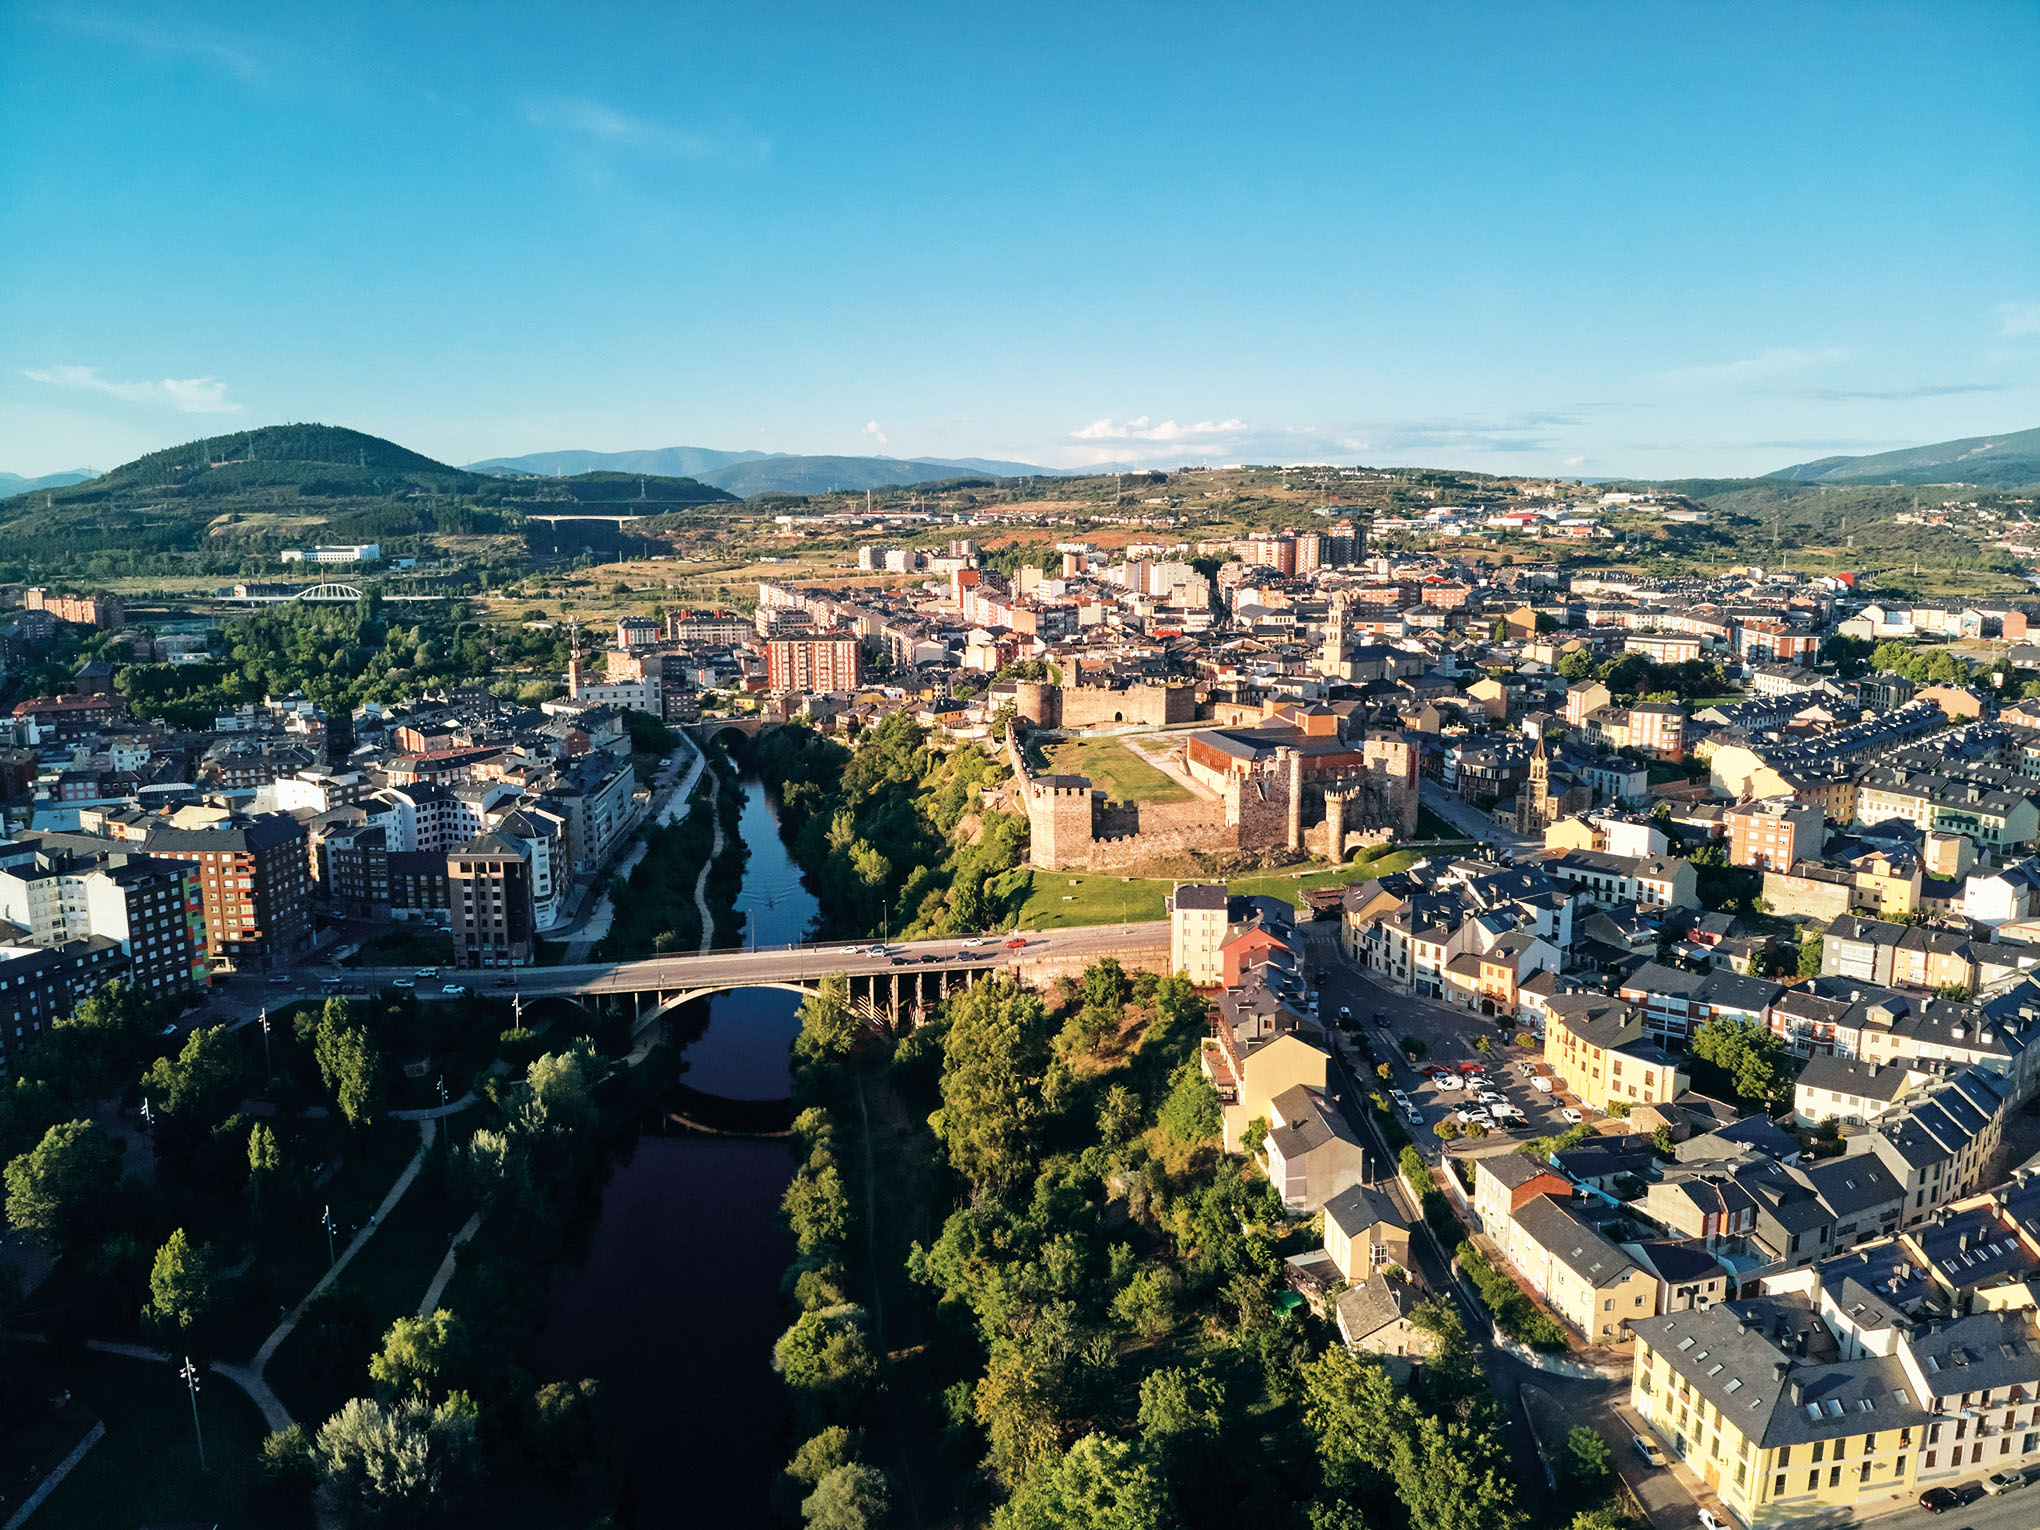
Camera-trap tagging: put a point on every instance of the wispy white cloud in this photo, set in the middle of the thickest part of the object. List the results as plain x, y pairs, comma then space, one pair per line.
238, 54
187, 395
1573, 462
1891, 395
875, 431
1774, 362
588, 121
2018, 318
1144, 429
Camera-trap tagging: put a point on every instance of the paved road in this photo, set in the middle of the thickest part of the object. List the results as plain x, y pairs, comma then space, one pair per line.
1470, 820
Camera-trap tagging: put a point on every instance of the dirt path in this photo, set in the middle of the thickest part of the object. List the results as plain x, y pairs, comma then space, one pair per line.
701, 881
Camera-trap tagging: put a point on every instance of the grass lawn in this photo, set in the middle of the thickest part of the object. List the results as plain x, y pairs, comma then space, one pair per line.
1431, 826
1125, 776
1702, 703
1064, 899
403, 947
384, 1282
146, 1468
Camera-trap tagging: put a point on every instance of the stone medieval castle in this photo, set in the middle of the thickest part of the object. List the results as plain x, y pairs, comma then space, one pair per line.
1273, 801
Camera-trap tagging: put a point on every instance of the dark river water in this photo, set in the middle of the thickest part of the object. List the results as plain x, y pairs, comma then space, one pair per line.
676, 1304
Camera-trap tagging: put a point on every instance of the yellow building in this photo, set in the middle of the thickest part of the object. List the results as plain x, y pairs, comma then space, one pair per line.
1778, 1437
1571, 834
1588, 1280
1598, 1048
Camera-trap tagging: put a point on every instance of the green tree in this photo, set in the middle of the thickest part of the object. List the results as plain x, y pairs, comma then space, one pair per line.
1577, 665
349, 1063
562, 1087
994, 1059
1190, 1113
1181, 1409
388, 1463
1015, 1401
203, 1082
58, 1192
1810, 948
1749, 1056
1588, 1460
829, 1028
183, 1284
418, 1355
1147, 1302
1119, 1114
1099, 1484
818, 1455
849, 1497
826, 1356
265, 1166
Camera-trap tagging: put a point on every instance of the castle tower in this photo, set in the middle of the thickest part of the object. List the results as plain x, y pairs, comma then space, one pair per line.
1335, 824
1294, 762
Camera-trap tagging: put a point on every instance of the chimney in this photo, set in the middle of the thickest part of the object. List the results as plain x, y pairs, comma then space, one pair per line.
1779, 1368
1796, 1391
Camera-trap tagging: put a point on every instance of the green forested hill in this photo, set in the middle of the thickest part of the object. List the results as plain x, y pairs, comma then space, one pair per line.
226, 498
2003, 460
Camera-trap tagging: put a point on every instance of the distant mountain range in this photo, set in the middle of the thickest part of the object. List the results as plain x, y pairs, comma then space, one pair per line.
747, 473
14, 483
1999, 460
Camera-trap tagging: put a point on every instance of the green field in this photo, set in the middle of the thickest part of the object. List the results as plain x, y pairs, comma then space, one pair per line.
1125, 776
146, 1469
1065, 899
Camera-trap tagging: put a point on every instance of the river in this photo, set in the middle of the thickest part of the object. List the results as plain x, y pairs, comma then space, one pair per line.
676, 1303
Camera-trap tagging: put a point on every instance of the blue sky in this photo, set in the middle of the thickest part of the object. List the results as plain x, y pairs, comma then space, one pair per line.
1602, 239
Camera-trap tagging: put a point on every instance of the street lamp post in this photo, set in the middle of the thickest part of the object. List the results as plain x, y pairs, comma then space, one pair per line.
190, 1375
442, 1091
326, 1221
268, 1069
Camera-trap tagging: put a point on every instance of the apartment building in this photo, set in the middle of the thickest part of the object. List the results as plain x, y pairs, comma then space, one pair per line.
1775, 833
489, 892
40, 983
1601, 1051
1197, 926
1776, 1432
253, 878
832, 662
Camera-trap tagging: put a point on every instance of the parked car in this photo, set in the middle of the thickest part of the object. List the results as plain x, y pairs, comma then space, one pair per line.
1345, 1012
1472, 1070
1526, 1070
1430, 1070
1939, 1500
1448, 1084
1506, 1113
1398, 1096
1571, 1117
1652, 1456
2003, 1482
1414, 1115
283, 979
1541, 1085
1381, 1018
1709, 1520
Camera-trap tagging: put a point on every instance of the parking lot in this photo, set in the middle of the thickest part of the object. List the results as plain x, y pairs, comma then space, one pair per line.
1447, 1036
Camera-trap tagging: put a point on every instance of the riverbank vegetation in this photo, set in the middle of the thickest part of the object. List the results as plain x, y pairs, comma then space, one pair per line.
654, 909
893, 834
1032, 1292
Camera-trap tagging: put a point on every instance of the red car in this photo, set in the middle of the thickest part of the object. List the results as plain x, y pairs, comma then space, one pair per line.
1472, 1070
1430, 1070
1016, 944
